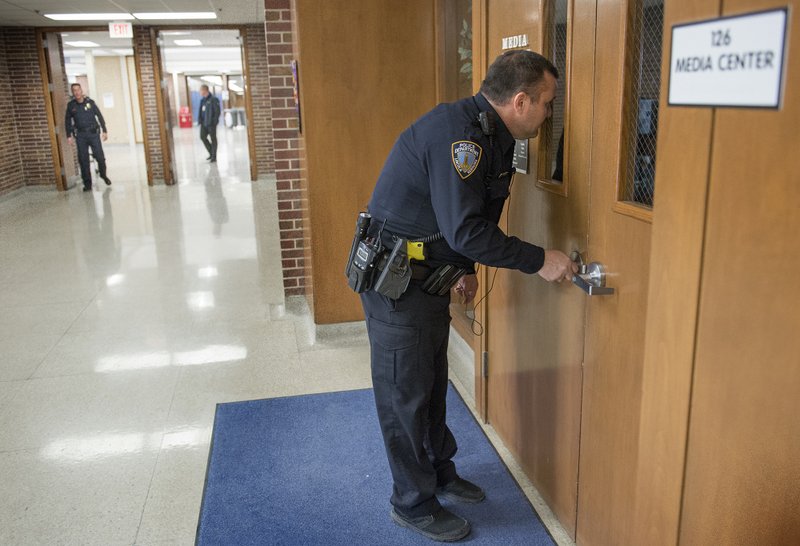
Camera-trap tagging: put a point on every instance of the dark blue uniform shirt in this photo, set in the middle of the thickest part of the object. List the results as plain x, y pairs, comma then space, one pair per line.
83, 117
444, 174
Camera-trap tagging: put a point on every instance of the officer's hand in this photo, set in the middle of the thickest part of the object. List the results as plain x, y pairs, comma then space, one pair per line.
467, 286
71, 140
557, 266
105, 137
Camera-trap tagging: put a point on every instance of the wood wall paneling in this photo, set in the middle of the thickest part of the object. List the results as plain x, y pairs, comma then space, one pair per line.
356, 61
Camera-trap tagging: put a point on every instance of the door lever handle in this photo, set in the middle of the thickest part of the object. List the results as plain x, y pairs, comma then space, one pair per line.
592, 279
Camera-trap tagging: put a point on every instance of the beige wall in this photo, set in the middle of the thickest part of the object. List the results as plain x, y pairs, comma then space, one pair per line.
109, 79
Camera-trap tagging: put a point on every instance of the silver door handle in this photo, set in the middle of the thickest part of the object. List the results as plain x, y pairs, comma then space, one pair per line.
590, 278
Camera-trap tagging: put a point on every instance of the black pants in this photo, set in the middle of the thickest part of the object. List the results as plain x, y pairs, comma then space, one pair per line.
84, 142
208, 135
408, 339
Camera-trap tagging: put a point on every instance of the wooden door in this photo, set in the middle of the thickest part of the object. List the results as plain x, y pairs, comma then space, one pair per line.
742, 463
627, 88
58, 87
565, 368
248, 101
535, 330
162, 76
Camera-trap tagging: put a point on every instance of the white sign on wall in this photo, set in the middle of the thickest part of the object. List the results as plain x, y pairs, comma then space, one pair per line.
120, 30
731, 61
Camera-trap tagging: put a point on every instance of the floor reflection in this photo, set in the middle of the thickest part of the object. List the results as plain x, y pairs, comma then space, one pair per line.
126, 315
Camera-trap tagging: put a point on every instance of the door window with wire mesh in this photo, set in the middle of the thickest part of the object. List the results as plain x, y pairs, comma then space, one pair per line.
551, 134
643, 69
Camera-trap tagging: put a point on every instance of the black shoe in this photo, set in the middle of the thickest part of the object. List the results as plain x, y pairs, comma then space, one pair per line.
443, 526
106, 180
85, 188
208, 158
460, 490
213, 160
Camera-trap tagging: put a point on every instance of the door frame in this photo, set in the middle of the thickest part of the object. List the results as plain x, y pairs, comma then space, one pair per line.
248, 100
480, 54
58, 158
55, 149
164, 128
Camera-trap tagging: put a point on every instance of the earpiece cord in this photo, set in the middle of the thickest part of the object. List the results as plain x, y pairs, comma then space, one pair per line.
494, 276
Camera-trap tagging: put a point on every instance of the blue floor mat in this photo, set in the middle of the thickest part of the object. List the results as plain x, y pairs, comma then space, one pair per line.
309, 470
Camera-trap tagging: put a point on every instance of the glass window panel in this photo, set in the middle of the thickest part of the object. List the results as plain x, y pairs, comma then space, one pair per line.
552, 131
641, 115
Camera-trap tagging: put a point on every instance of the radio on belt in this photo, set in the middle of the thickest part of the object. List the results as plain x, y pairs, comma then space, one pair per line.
364, 251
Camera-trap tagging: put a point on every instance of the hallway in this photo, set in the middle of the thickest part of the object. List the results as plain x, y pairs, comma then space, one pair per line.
126, 314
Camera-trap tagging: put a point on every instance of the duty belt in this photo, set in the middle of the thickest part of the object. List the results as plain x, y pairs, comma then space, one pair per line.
438, 281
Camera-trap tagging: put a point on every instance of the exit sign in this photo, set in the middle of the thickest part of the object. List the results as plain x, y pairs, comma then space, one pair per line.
120, 30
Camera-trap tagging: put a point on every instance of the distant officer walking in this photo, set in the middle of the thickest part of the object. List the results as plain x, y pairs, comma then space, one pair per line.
209, 118
85, 124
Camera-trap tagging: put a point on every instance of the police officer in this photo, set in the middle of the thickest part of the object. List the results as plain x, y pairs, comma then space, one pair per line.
449, 172
209, 118
85, 124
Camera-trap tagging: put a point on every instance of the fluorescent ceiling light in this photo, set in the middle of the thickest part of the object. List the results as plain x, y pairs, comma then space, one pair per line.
216, 80
175, 33
123, 52
177, 15
188, 42
82, 43
235, 88
89, 16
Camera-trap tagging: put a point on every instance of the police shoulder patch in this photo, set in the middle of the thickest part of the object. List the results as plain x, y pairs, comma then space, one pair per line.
466, 157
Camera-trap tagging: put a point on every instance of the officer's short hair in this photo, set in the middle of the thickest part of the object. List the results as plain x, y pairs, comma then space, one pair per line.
514, 71
74, 85
204, 86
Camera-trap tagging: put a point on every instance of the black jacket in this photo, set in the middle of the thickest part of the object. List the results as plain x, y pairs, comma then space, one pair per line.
209, 111
83, 117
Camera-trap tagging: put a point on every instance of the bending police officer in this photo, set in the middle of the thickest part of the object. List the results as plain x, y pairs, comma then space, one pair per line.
446, 179
84, 123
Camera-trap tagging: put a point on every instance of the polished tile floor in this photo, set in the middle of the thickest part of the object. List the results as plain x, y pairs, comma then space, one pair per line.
126, 315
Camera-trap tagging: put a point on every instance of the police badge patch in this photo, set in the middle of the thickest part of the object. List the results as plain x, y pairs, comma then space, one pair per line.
466, 157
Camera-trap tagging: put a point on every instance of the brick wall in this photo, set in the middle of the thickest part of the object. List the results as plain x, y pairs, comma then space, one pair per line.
258, 85
11, 176
30, 114
144, 59
289, 149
